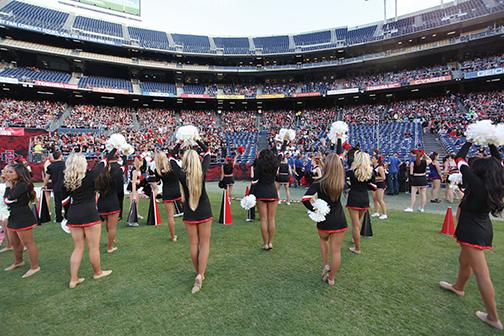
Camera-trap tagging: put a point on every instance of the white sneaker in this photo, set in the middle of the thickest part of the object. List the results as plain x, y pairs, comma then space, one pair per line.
279, 202
288, 203
421, 210
64, 226
408, 210
383, 217
376, 214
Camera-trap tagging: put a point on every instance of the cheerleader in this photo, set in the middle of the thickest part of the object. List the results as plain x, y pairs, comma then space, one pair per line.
197, 209
484, 194
361, 180
83, 217
19, 192
135, 184
264, 189
108, 201
47, 189
171, 189
227, 175
284, 173
435, 177
418, 179
317, 168
4, 213
450, 168
332, 230
378, 194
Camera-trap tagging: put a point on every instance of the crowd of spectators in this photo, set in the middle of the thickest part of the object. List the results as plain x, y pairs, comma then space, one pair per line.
111, 118
31, 114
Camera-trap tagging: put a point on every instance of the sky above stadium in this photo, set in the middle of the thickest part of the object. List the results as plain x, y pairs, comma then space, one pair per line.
262, 17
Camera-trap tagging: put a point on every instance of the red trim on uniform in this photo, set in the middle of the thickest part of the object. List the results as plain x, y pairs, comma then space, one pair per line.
255, 182
22, 229
267, 199
109, 213
65, 201
334, 231
172, 200
308, 197
356, 208
479, 247
197, 221
7, 201
83, 225
459, 159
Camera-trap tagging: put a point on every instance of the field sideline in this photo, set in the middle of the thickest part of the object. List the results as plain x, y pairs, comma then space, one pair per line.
391, 289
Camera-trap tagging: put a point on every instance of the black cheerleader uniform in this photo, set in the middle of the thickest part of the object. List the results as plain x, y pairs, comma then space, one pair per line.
335, 220
171, 187
419, 176
263, 184
117, 173
108, 202
82, 210
21, 217
228, 175
379, 184
358, 198
283, 173
474, 227
203, 212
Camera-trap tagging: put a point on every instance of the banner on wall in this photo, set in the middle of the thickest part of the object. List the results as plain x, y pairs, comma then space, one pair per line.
484, 73
157, 94
194, 95
109, 90
383, 86
230, 96
306, 94
270, 96
9, 80
57, 85
12, 131
342, 91
431, 80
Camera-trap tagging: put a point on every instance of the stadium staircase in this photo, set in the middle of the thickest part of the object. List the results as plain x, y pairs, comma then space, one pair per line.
75, 78
136, 123
171, 42
58, 122
3, 3
460, 105
69, 22
432, 143
489, 3
125, 32
136, 87
262, 140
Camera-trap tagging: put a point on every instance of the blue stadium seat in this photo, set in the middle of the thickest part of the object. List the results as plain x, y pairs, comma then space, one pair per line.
158, 87
26, 74
35, 16
233, 45
98, 26
272, 44
313, 38
194, 89
245, 139
150, 38
193, 43
105, 82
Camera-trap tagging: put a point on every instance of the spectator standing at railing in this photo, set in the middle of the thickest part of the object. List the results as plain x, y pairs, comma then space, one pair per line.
54, 173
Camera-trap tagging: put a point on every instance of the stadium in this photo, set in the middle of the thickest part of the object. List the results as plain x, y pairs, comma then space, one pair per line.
86, 78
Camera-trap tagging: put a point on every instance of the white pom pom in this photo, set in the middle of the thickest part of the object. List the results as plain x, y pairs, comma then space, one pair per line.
481, 132
188, 134
455, 179
4, 211
498, 139
286, 134
321, 206
64, 226
316, 216
127, 149
248, 202
115, 141
338, 129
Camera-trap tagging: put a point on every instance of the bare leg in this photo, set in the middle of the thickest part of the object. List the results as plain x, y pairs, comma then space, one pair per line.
376, 202
92, 235
355, 217
192, 232
263, 217
204, 232
465, 270
272, 207
423, 194
17, 246
287, 192
336, 239
230, 192
77, 254
26, 238
413, 196
324, 247
170, 211
380, 195
482, 273
111, 223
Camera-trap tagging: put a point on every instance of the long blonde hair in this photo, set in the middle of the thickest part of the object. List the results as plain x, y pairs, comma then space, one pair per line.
362, 166
75, 171
137, 163
162, 164
194, 177
333, 180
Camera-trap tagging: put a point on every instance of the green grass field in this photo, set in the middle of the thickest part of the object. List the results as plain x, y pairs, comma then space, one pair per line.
391, 289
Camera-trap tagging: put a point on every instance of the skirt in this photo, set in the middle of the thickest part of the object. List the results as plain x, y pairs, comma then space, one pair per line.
108, 204
282, 178
418, 181
265, 192
83, 214
228, 180
474, 230
358, 200
21, 219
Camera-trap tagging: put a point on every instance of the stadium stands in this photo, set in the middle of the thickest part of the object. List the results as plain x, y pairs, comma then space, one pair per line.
98, 26
193, 43
233, 45
149, 38
153, 87
313, 38
272, 44
91, 82
36, 16
194, 89
34, 114
34, 74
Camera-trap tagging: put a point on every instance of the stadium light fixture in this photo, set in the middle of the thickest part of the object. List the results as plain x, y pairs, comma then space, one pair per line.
200, 102
415, 90
158, 100
372, 95
135, 99
45, 93
424, 37
78, 96
107, 97
451, 33
77, 60
389, 95
6, 89
4, 49
341, 98
434, 35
